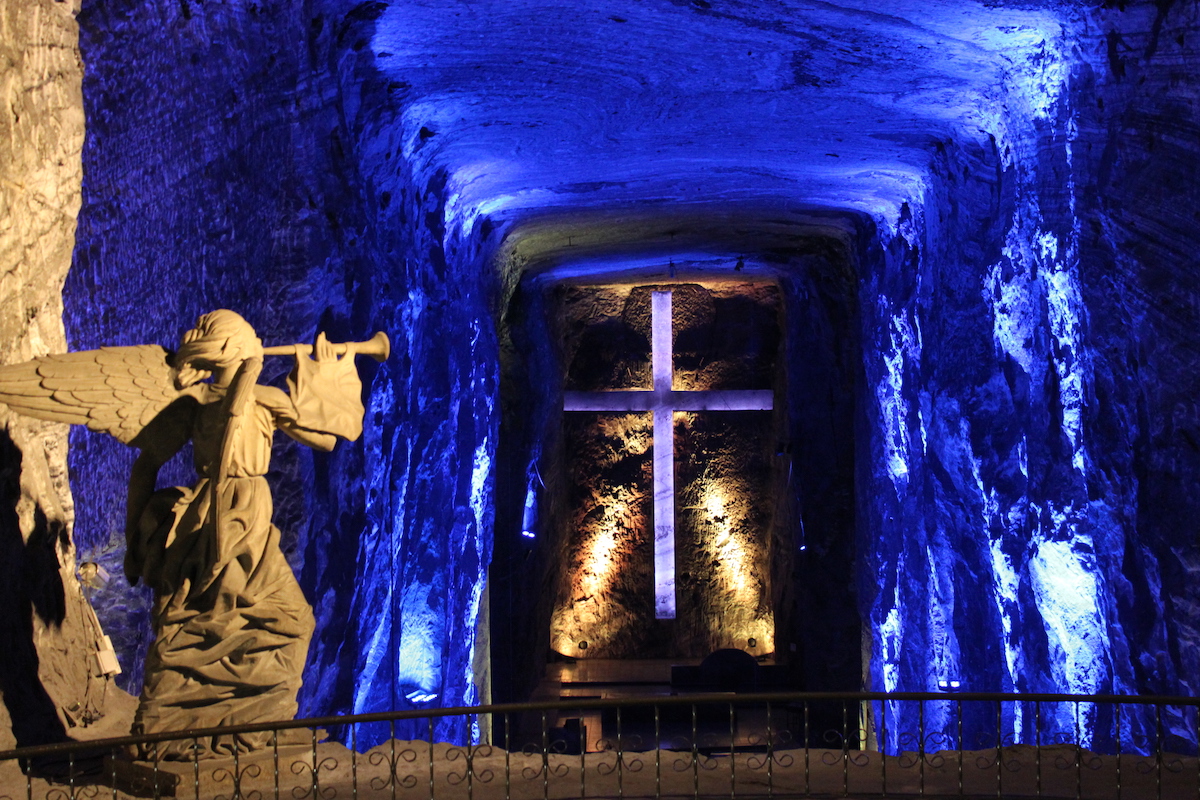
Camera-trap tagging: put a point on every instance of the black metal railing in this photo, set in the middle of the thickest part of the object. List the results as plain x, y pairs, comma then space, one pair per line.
712, 745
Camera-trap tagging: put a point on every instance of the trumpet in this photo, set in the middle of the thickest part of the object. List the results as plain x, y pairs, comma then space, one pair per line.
378, 347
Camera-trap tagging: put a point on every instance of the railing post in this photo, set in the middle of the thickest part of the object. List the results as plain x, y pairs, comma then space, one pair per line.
999, 749
807, 765
1078, 756
507, 757
316, 779
1037, 753
770, 754
695, 755
657, 753
620, 758
274, 763
959, 713
845, 749
1158, 753
1117, 714
155, 770
392, 760
431, 782
353, 762
545, 758
112, 759
470, 757
732, 754
921, 747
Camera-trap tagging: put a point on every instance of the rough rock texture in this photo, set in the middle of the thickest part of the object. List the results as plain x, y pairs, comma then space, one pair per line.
231, 161
1138, 123
980, 217
180, 218
725, 336
47, 633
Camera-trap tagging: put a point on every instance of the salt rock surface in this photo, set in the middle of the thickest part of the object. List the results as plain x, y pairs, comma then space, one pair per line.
49, 634
1007, 192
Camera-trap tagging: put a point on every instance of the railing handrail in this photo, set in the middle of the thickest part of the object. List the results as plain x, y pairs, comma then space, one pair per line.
735, 698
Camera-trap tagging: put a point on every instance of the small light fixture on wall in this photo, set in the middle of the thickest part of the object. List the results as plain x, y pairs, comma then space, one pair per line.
529, 518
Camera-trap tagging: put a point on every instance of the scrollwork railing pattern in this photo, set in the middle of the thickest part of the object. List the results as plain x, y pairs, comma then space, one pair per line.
727, 745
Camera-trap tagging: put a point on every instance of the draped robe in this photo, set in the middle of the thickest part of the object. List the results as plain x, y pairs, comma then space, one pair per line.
231, 625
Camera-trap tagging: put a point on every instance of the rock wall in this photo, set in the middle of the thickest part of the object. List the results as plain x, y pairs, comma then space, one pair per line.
991, 572
1137, 125
1023, 322
48, 676
725, 336
248, 157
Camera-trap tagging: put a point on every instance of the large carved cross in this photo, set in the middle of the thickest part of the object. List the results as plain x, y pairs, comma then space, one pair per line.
663, 400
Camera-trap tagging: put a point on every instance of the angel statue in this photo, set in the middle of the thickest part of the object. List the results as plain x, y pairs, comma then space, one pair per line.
231, 626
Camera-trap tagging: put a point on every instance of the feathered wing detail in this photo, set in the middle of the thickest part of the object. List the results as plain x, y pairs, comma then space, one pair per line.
116, 390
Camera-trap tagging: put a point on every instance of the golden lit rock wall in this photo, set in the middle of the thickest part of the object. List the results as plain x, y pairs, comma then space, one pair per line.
726, 336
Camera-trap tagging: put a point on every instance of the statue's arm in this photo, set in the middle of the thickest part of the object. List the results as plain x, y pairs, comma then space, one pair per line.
318, 441
141, 486
159, 441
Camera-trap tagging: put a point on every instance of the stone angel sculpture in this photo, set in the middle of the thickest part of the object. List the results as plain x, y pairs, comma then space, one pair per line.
231, 626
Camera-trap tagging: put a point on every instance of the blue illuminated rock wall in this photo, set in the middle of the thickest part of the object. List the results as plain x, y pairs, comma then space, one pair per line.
993, 577
1137, 119
420, 604
200, 193
222, 171
1029, 451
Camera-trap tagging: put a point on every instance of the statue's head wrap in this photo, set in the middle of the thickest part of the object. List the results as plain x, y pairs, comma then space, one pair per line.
219, 339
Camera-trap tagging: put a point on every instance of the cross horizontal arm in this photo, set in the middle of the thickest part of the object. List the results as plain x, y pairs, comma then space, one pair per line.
721, 400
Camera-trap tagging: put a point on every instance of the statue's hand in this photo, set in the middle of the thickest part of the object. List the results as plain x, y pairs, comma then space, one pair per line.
323, 349
327, 392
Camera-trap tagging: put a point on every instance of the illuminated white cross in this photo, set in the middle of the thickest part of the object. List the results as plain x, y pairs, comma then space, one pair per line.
664, 401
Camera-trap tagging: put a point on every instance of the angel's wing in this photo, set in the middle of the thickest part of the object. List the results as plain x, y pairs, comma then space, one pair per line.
116, 390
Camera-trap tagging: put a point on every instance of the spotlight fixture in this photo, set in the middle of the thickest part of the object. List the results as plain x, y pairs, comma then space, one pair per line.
420, 696
529, 516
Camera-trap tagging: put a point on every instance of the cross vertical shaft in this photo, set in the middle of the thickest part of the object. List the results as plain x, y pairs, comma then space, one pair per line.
662, 363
